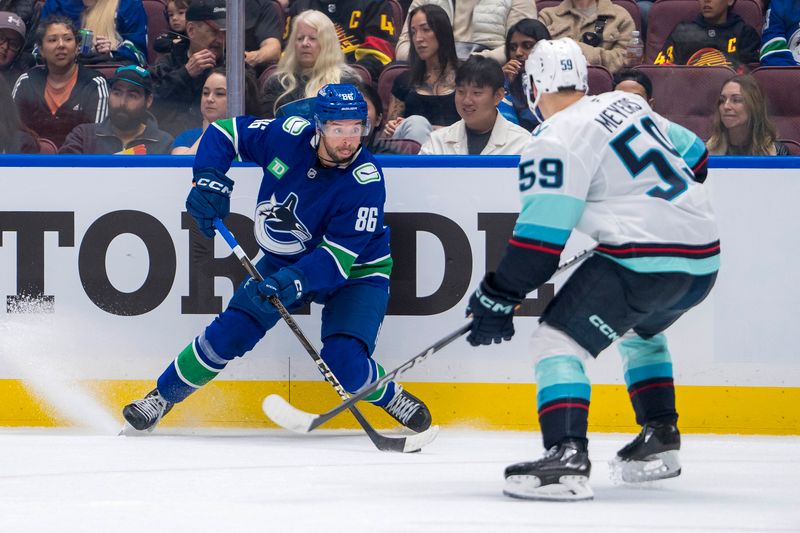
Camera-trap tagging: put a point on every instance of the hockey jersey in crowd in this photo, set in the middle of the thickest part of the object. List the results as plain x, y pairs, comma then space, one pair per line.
365, 28
328, 222
88, 102
737, 41
623, 167
781, 36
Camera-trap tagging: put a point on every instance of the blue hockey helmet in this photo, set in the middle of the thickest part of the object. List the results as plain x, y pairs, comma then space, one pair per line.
340, 101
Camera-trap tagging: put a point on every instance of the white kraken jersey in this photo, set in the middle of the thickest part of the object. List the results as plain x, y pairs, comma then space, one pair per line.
604, 166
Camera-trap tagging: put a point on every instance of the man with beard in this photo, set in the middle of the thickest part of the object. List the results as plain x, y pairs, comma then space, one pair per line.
179, 76
319, 222
129, 127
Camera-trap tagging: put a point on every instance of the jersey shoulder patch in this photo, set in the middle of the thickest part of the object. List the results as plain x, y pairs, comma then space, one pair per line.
295, 125
366, 173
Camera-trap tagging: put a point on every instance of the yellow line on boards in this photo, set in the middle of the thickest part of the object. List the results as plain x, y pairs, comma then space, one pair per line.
491, 406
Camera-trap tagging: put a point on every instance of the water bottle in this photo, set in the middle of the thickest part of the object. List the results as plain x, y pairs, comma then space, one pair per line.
634, 50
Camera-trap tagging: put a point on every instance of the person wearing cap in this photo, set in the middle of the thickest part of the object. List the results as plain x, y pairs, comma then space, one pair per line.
129, 128
54, 98
12, 39
179, 76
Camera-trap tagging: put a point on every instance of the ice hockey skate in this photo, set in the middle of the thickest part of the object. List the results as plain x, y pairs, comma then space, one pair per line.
409, 410
145, 414
652, 455
561, 475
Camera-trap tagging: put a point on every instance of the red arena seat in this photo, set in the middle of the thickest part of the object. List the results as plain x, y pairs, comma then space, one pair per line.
687, 95
783, 103
385, 82
600, 80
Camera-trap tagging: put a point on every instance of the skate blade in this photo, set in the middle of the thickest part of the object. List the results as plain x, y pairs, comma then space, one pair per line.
658, 466
568, 489
130, 431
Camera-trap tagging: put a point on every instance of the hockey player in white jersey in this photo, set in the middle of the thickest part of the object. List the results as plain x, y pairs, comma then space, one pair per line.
603, 166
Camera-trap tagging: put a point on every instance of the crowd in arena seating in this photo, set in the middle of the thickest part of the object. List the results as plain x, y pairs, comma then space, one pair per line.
148, 76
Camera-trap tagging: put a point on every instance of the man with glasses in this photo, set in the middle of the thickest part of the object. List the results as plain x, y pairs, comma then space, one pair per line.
12, 39
180, 75
319, 222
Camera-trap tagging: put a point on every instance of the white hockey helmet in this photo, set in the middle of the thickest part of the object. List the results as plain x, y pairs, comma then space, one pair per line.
554, 65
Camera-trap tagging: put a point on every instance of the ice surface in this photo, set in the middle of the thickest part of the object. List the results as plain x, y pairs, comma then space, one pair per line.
274, 481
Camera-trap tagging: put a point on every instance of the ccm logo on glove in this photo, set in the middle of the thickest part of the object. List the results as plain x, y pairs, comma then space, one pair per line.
214, 186
493, 305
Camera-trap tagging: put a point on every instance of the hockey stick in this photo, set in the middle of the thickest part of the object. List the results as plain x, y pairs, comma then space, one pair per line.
410, 443
292, 418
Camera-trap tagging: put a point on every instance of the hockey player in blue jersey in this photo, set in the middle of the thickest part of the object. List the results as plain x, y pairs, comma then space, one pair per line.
604, 166
780, 40
319, 222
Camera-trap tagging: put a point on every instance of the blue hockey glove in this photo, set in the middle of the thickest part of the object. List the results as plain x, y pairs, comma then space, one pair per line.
210, 197
287, 284
492, 314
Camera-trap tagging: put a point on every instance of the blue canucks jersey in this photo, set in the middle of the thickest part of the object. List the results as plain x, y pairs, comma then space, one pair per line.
328, 222
780, 40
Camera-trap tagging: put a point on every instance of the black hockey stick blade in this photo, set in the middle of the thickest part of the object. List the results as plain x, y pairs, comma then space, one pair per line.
395, 444
289, 417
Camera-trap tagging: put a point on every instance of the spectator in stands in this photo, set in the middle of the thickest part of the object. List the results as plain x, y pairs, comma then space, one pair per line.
311, 60
478, 25
179, 76
520, 40
129, 128
262, 34
375, 142
22, 8
119, 26
688, 144
12, 39
482, 130
780, 40
601, 29
214, 106
15, 138
176, 36
423, 98
365, 30
716, 37
58, 96
741, 124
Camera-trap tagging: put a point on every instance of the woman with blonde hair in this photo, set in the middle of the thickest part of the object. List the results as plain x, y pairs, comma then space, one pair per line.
741, 124
119, 27
312, 59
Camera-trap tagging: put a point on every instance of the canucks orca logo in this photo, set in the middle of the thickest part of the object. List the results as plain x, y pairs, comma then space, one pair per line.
277, 227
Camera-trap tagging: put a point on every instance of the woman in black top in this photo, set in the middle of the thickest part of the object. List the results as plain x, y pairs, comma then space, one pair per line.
427, 90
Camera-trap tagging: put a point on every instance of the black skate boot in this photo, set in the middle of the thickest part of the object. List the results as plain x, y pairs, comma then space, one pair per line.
561, 475
409, 410
144, 414
652, 455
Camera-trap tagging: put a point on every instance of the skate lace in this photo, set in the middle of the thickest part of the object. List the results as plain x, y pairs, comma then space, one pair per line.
151, 407
402, 407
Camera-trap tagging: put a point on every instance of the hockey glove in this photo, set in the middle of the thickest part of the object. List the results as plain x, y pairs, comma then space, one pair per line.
492, 314
210, 197
287, 284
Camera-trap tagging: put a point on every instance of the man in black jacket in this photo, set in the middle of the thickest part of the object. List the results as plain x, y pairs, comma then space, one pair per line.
129, 128
715, 37
179, 76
